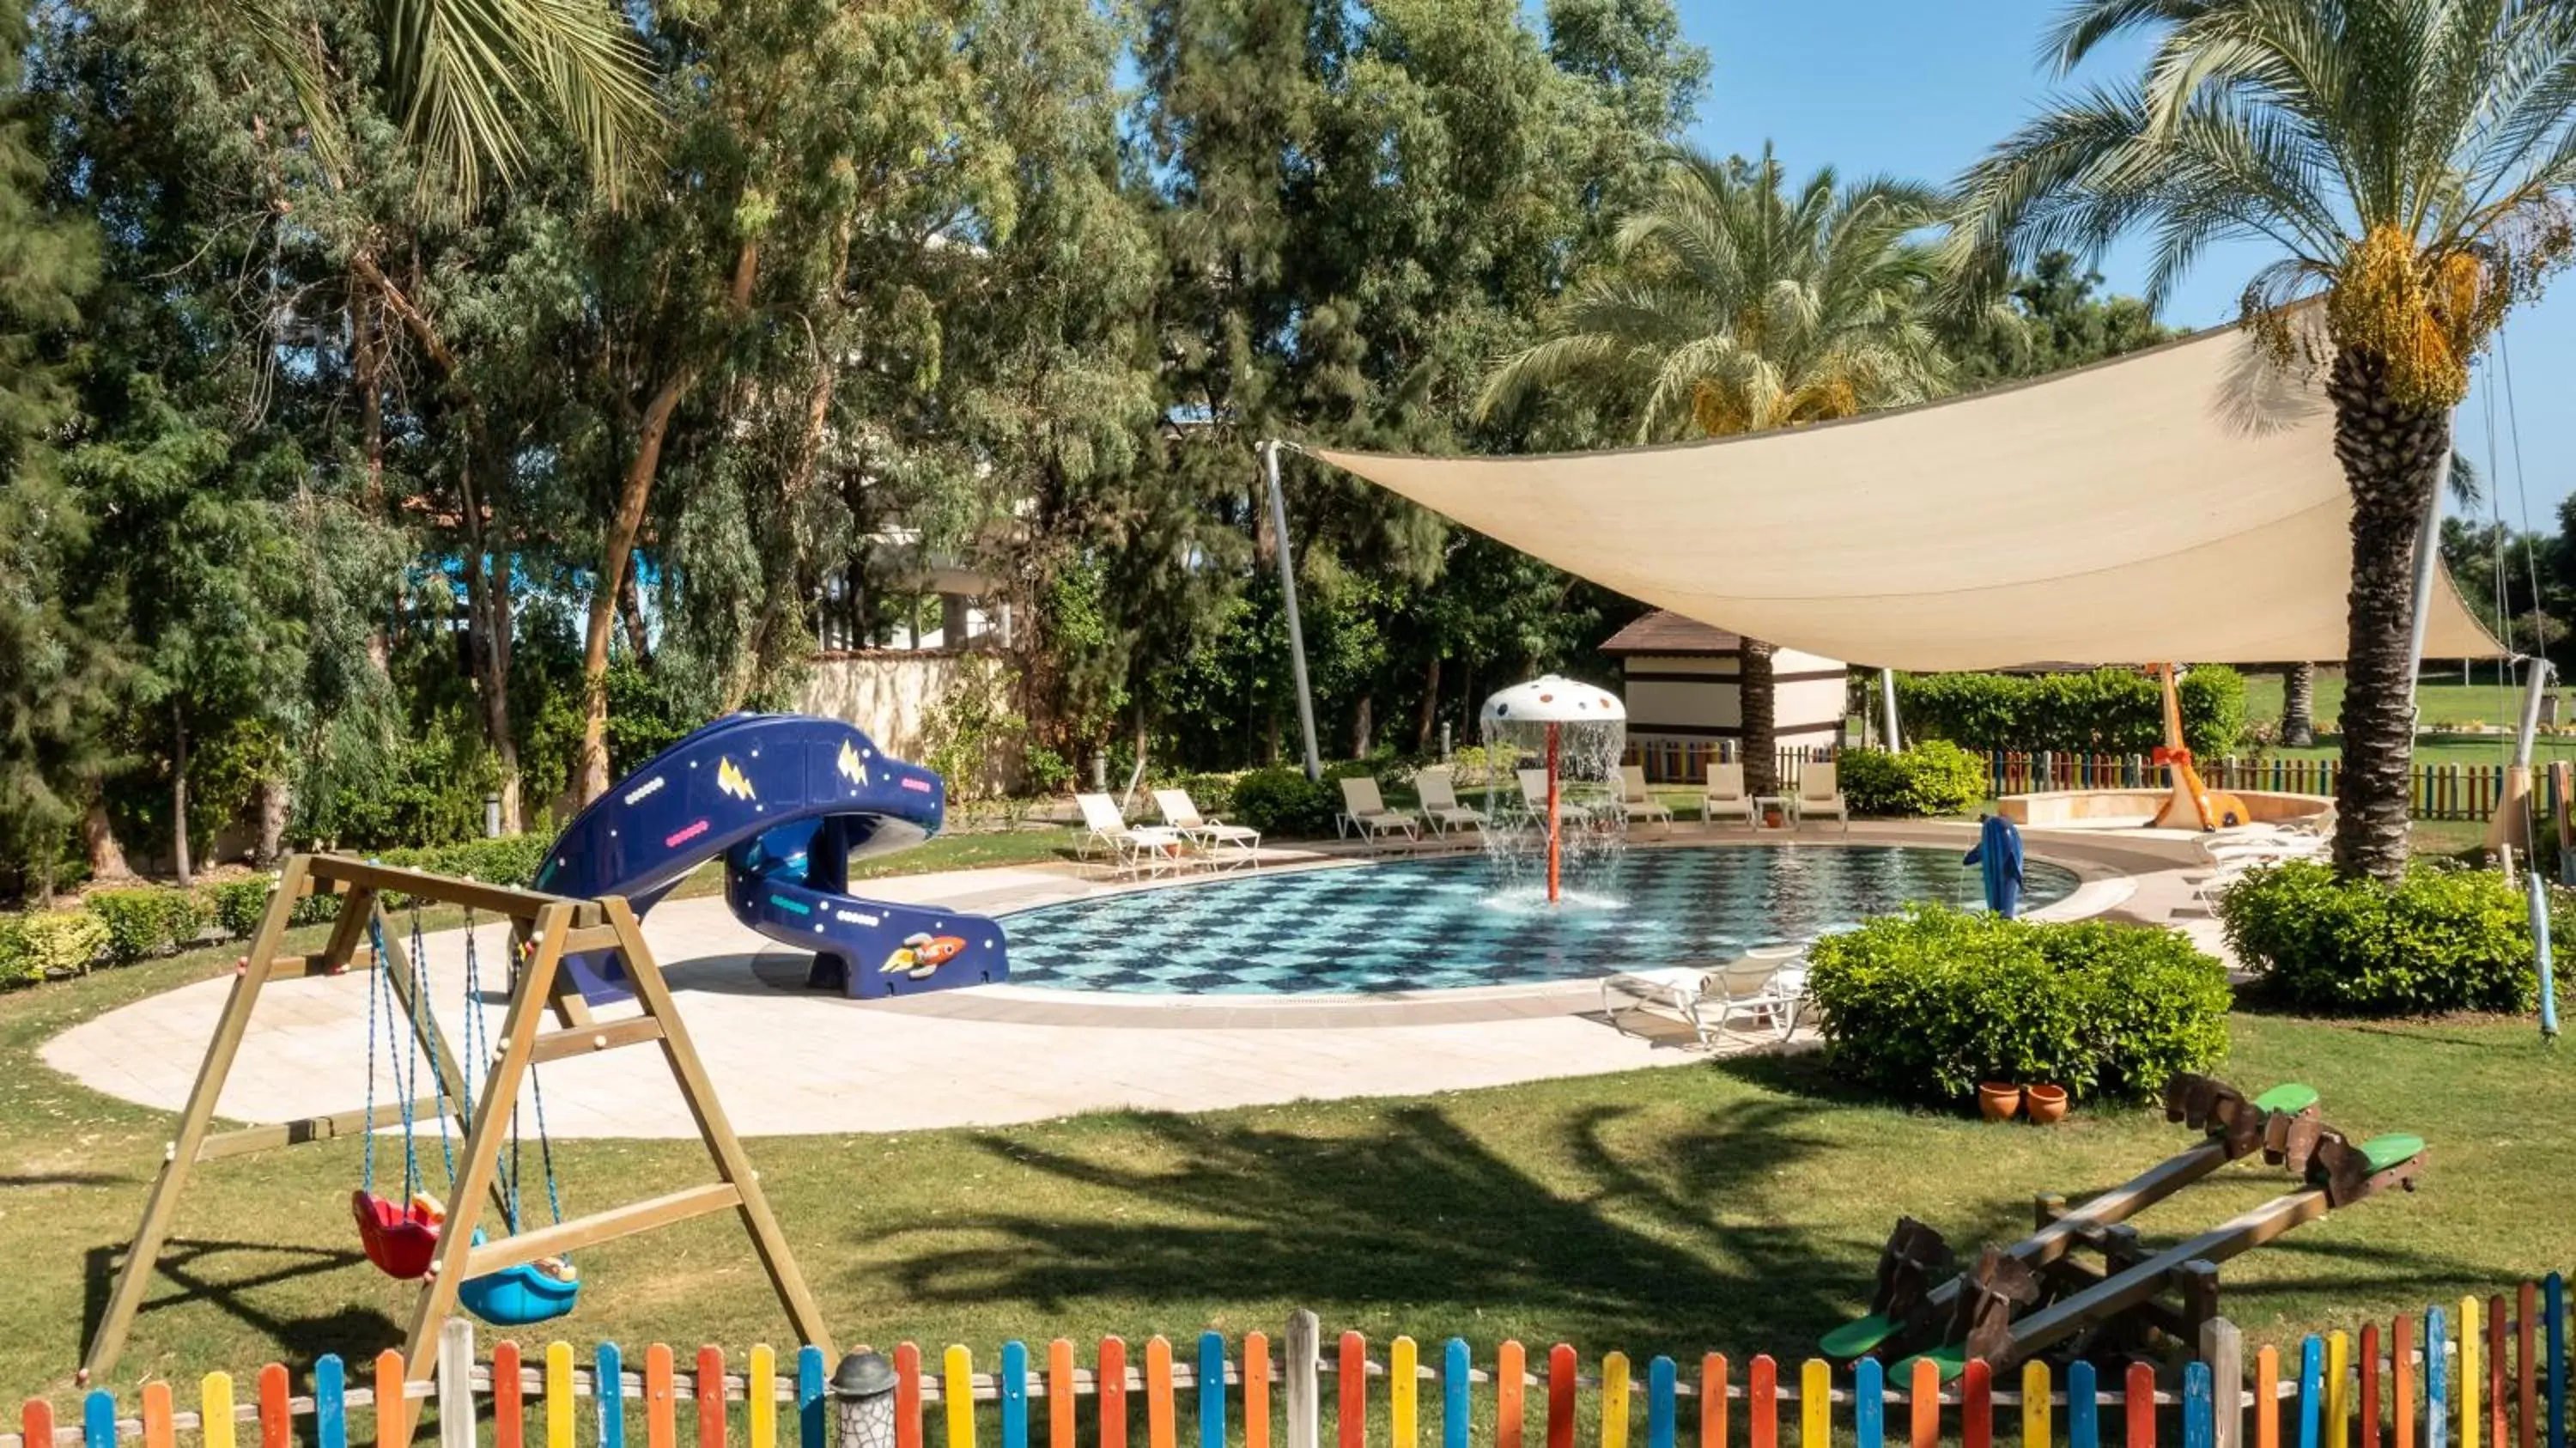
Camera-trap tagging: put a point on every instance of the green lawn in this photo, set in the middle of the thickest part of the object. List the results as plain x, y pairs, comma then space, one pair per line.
1738, 1206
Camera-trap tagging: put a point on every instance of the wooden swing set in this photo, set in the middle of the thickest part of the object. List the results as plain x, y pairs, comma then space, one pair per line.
544, 929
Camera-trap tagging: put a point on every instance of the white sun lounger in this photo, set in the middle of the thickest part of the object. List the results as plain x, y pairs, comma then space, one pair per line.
1726, 796
1131, 850
1364, 809
1440, 804
1225, 844
1819, 795
1636, 802
1534, 797
1763, 989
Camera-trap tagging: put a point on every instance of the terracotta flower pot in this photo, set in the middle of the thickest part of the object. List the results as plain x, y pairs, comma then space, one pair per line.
2047, 1104
1998, 1100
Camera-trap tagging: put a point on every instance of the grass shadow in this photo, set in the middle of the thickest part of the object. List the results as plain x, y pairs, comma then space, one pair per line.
185, 1263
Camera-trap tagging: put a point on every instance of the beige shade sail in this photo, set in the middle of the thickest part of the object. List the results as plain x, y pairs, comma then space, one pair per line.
2178, 504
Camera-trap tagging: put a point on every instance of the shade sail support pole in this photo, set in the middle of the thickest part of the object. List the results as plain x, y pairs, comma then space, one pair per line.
1887, 708
1288, 596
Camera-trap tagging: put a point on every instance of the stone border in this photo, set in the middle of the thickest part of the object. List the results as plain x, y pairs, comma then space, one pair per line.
2105, 872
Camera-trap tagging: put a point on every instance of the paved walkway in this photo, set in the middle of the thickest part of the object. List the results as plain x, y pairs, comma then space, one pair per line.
788, 1062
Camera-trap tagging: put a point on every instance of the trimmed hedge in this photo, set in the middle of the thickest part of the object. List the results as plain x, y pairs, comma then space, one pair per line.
146, 920
48, 942
2107, 711
1285, 803
1924, 1005
2442, 939
1935, 777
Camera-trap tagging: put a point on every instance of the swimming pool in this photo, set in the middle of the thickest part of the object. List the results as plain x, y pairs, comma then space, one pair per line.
1438, 924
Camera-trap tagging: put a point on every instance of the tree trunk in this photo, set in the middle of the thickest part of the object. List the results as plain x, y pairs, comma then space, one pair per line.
2298, 705
1427, 724
617, 546
1270, 738
98, 839
496, 699
179, 792
1363, 726
1756, 695
276, 805
630, 607
2390, 454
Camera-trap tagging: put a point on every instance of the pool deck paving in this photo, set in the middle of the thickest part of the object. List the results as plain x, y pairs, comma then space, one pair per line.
787, 1061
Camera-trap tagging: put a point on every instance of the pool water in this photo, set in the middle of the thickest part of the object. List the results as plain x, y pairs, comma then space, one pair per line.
1438, 924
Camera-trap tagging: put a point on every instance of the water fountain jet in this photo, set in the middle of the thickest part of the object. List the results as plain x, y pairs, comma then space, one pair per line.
1580, 730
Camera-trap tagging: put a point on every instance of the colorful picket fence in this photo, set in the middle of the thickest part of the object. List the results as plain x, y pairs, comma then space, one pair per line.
2494, 1376
2441, 791
1686, 761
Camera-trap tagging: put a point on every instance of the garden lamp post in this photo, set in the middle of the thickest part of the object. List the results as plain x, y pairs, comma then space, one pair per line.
863, 1400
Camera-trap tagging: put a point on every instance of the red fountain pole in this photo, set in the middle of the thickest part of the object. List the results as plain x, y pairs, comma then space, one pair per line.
1551, 812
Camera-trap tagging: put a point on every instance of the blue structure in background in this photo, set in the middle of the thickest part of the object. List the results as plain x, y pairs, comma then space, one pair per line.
786, 799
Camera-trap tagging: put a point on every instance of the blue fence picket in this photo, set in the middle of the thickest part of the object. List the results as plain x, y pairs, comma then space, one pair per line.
2437, 1379
1661, 1382
2199, 1407
608, 1366
2312, 1390
98, 1419
2083, 1411
1869, 1404
1455, 1415
1012, 1386
330, 1402
2554, 1298
809, 1397
1211, 1390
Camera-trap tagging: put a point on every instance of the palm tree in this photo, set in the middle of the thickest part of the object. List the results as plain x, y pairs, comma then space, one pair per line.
1734, 304
2409, 162
461, 75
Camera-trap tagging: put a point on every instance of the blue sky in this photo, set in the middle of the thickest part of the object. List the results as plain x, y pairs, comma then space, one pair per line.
1918, 88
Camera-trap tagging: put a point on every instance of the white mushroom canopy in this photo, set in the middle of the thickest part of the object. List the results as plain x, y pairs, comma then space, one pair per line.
1553, 699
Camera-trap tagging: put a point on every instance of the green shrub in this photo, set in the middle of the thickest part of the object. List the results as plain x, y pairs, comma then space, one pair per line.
237, 905
1926, 1004
2442, 939
1935, 777
17, 958
1284, 802
2106, 711
62, 941
146, 920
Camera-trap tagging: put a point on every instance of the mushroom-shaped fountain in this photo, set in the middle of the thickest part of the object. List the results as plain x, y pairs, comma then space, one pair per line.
1579, 728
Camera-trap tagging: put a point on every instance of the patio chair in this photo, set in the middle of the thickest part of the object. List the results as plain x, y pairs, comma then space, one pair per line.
1225, 844
1534, 798
1440, 804
1636, 802
1726, 795
1764, 988
1819, 794
1131, 850
1364, 809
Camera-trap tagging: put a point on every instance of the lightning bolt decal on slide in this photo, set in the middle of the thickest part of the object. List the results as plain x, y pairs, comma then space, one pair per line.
731, 781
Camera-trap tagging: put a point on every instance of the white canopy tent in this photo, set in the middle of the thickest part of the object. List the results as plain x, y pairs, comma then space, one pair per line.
2178, 504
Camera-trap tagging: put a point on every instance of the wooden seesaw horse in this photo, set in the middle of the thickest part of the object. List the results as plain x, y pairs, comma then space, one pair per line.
2019, 1300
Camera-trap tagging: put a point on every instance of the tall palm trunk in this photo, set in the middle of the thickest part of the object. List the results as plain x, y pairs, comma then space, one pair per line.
2299, 705
2391, 455
1759, 699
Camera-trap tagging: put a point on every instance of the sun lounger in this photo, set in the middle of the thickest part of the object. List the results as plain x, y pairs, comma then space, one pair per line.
1818, 794
1223, 843
1364, 809
1726, 796
1534, 798
1131, 850
1763, 988
1636, 802
1440, 804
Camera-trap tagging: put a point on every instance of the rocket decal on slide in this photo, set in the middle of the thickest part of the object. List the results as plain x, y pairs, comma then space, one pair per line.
852, 768
731, 781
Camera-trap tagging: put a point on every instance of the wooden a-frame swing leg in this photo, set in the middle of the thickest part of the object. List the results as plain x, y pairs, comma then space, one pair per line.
732, 1163
141, 1255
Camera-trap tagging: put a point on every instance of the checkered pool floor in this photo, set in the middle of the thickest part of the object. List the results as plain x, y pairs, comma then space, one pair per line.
1439, 924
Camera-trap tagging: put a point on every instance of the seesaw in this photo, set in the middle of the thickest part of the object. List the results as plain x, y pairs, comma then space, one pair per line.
2025, 1298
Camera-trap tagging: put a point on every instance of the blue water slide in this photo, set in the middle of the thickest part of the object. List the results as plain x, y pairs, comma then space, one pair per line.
786, 800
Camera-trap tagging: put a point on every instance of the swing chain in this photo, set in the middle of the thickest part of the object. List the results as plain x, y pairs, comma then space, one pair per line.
421, 1021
